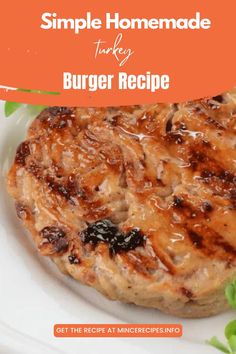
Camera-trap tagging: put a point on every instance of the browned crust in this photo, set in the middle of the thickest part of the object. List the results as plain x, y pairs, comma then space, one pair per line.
168, 170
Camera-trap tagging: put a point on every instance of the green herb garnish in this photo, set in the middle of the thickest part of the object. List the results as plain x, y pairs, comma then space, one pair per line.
230, 293
11, 107
230, 329
214, 341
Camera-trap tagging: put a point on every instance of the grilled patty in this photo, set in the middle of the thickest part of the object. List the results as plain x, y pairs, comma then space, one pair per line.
138, 202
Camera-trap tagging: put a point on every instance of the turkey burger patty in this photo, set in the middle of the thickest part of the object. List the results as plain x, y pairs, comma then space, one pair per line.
138, 202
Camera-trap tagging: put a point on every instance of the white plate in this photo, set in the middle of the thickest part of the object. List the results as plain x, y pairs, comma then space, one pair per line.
34, 295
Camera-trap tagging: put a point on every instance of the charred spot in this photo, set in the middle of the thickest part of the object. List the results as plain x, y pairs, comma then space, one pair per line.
207, 207
186, 292
62, 190
197, 108
196, 158
218, 98
67, 190
60, 111
57, 187
226, 176
107, 232
103, 230
72, 186
196, 239
52, 233
114, 120
56, 117
205, 174
178, 202
199, 156
184, 207
21, 211
213, 244
60, 124
127, 242
226, 246
193, 164
73, 259
175, 137
22, 153
223, 178
169, 125
56, 237
61, 245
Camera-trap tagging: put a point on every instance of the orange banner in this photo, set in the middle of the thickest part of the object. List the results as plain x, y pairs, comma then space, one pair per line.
116, 53
116, 330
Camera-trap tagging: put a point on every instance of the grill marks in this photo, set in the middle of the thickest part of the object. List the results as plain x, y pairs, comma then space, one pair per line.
66, 187
222, 182
179, 142
203, 238
55, 179
196, 239
68, 190
197, 158
182, 205
58, 188
223, 178
201, 155
71, 192
211, 172
202, 159
210, 243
